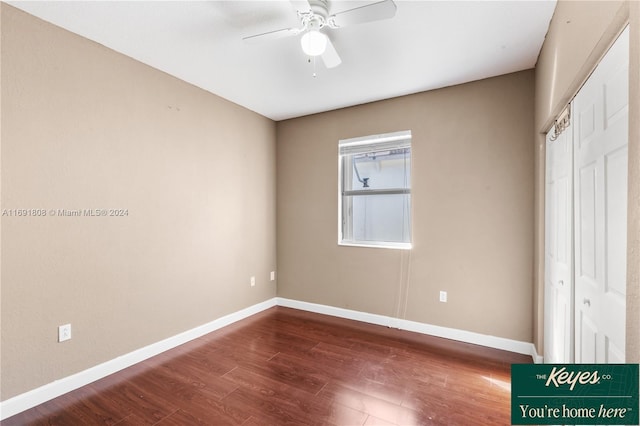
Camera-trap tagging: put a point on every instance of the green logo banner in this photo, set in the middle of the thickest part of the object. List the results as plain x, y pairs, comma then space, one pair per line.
577, 394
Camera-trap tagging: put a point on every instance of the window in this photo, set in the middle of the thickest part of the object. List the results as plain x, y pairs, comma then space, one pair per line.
375, 191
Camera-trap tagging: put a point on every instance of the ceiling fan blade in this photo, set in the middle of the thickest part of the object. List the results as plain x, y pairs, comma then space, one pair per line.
384, 9
272, 35
330, 56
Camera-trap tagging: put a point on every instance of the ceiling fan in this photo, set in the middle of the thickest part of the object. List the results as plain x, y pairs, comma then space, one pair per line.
314, 17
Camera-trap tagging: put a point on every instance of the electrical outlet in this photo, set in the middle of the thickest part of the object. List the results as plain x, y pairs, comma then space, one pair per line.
253, 281
64, 332
273, 275
443, 296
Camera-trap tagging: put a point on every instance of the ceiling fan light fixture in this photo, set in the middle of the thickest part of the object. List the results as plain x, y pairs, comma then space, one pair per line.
313, 43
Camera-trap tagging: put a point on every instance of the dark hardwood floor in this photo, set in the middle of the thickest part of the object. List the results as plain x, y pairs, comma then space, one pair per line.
289, 367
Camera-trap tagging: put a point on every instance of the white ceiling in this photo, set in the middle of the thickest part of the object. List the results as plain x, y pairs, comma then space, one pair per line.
427, 45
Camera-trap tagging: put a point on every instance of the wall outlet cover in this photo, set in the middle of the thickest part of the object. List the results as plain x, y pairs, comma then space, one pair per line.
64, 332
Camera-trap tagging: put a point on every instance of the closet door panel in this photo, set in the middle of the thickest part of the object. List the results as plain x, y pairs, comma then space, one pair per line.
559, 250
600, 163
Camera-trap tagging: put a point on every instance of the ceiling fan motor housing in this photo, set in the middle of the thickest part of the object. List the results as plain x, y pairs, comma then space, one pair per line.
320, 8
316, 18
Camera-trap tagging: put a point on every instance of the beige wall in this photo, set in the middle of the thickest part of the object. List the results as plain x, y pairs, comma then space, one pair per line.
84, 128
472, 194
579, 35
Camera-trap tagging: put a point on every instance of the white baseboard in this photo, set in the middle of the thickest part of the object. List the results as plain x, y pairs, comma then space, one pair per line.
537, 359
516, 346
54, 389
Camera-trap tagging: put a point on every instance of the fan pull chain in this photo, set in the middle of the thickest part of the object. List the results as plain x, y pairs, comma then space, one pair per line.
314, 74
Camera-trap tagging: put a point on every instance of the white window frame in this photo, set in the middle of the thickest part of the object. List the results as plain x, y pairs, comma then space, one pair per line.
372, 143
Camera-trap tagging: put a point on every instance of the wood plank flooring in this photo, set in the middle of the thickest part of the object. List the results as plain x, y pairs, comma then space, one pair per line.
289, 367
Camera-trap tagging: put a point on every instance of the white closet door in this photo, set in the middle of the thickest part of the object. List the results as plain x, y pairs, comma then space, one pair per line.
559, 249
600, 122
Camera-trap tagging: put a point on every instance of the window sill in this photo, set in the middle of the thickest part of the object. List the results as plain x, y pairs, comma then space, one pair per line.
384, 245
